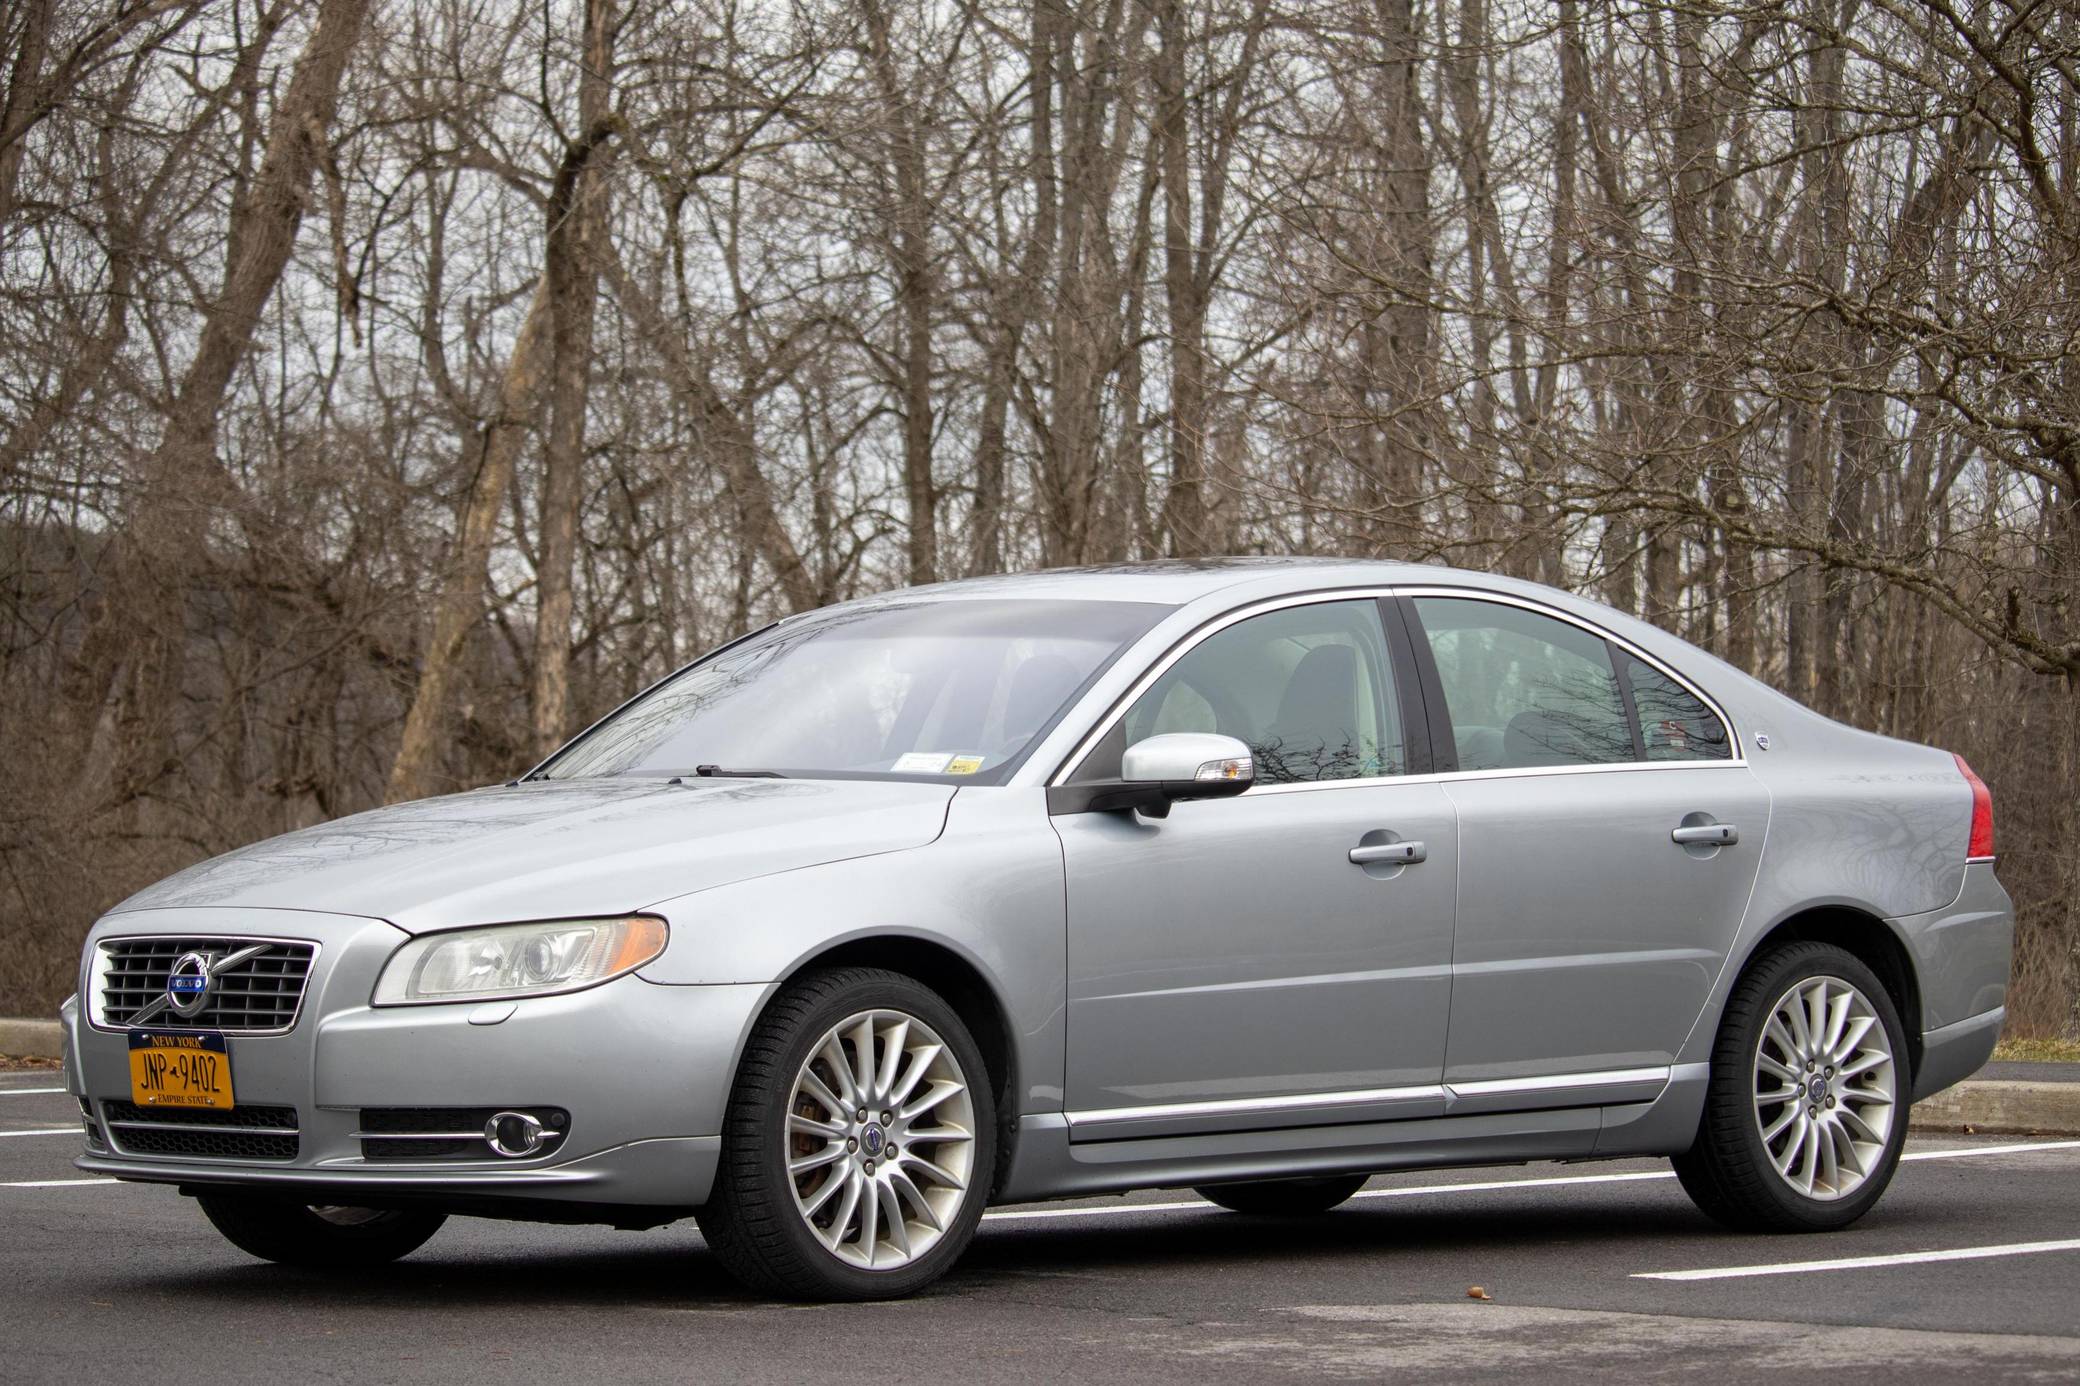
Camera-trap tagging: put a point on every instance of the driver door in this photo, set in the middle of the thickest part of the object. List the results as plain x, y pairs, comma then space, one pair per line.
1230, 967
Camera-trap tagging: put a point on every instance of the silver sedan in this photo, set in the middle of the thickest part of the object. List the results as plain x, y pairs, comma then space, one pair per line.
1250, 877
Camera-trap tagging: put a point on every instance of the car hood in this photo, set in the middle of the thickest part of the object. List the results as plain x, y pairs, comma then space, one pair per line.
558, 848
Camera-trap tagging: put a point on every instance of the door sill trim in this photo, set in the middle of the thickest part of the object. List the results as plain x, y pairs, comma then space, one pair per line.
1611, 1087
1608, 1088
1257, 1113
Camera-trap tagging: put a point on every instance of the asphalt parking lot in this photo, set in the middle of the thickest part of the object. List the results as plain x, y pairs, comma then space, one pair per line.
1970, 1267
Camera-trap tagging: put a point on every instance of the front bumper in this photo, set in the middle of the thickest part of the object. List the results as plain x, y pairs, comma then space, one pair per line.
642, 1069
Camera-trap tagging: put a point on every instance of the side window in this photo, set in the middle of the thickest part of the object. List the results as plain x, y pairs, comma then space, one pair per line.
1308, 689
1673, 724
1524, 690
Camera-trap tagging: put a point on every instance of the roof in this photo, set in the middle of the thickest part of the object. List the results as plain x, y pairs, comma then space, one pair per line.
1170, 581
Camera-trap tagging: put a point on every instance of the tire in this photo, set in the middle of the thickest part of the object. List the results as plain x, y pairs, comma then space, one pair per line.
792, 1233
323, 1238
1733, 1171
1283, 1197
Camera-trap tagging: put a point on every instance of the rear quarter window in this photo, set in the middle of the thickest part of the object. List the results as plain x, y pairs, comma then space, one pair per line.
1674, 723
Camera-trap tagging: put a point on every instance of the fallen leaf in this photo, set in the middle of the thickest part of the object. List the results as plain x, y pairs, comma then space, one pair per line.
1476, 1292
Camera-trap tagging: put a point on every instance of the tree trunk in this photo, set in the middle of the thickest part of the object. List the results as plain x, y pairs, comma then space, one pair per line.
720, 429
577, 223
911, 259
1186, 503
459, 605
183, 486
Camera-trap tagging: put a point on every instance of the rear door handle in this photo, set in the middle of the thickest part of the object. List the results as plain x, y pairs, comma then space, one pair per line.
1406, 853
1706, 835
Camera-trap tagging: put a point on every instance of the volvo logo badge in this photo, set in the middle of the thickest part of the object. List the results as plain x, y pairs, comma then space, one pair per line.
188, 984
192, 981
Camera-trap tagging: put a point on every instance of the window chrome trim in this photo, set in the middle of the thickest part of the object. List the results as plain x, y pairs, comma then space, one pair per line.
1733, 740
97, 969
1191, 640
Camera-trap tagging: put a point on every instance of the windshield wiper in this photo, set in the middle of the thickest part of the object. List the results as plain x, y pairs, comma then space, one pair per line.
721, 772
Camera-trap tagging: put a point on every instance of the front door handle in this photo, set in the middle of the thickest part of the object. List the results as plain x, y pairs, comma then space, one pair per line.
1399, 853
1706, 835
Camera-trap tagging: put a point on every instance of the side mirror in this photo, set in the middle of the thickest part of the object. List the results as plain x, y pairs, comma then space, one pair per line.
1190, 765
1161, 770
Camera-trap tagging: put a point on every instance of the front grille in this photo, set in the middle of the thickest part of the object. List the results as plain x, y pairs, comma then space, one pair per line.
444, 1133
242, 1133
262, 993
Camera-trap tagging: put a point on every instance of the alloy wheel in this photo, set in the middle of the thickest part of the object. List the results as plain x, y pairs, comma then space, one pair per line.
881, 1139
1825, 1087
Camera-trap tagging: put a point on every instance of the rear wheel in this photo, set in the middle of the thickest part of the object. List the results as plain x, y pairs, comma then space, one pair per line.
1807, 1107
317, 1236
1283, 1197
859, 1143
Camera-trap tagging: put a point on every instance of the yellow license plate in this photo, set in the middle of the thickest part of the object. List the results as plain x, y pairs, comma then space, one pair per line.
179, 1070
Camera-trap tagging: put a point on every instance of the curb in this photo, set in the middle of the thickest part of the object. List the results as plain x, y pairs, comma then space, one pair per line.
32, 1039
1992, 1105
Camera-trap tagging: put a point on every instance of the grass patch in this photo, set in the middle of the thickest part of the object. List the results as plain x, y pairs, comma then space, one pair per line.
2037, 1051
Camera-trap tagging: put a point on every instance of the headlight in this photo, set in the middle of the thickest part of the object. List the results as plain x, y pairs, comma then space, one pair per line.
517, 959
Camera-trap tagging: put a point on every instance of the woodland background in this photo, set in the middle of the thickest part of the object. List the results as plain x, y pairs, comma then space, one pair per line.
389, 386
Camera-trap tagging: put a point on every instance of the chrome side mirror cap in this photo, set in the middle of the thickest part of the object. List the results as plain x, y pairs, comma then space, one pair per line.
1158, 771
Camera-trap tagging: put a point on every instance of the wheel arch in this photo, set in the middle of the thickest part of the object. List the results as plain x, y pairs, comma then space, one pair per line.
966, 988
1868, 938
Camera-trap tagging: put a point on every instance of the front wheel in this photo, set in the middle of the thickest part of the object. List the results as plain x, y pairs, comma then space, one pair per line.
317, 1236
1283, 1197
1806, 1111
859, 1144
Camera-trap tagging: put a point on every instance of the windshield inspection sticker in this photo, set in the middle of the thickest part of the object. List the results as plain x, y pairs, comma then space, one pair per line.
921, 763
963, 765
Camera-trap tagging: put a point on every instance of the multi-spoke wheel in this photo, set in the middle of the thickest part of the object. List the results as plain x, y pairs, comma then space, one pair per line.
859, 1144
1824, 1087
1806, 1111
881, 1144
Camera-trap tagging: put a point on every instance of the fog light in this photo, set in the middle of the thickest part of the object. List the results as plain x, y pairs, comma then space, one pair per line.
515, 1134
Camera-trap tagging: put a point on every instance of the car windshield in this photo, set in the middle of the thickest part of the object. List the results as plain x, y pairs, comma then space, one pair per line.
957, 689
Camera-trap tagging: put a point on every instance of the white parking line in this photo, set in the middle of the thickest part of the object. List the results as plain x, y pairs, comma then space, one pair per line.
51, 1183
1486, 1186
51, 1131
1904, 1258
2021, 1148
27, 1092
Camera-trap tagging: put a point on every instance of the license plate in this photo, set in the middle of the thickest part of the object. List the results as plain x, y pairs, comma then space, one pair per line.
179, 1069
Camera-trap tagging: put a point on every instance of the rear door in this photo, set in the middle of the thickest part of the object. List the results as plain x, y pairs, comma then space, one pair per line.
1597, 903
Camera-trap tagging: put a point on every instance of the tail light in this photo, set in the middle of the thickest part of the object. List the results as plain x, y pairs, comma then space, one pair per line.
1981, 848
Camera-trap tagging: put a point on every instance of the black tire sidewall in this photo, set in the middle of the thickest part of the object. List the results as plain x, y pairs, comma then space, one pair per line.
862, 990
1284, 1197
1734, 1066
289, 1233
